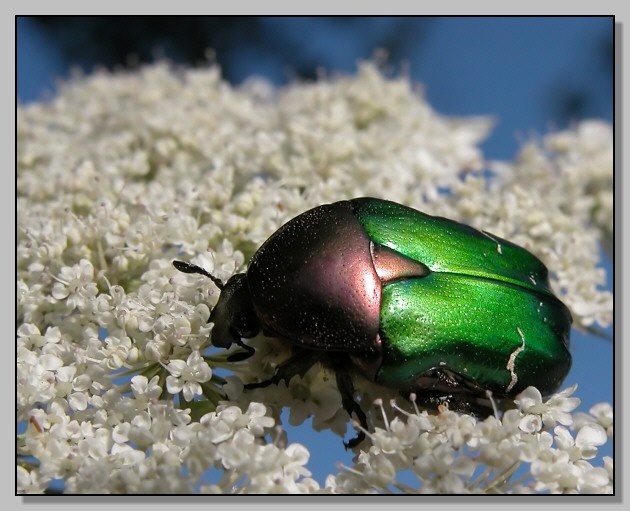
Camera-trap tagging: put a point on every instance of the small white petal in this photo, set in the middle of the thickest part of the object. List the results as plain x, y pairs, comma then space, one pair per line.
590, 435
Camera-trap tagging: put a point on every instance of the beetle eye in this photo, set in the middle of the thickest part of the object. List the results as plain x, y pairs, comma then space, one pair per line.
392, 266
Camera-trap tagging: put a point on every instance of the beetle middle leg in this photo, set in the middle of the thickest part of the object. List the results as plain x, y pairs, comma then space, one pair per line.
346, 389
300, 363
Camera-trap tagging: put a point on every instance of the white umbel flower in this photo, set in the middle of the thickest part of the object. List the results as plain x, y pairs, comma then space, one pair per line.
186, 376
118, 387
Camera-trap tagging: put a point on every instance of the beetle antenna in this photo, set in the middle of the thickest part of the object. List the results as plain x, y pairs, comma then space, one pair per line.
185, 267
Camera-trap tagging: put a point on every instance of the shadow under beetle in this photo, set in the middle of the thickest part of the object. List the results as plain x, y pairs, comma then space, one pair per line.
413, 302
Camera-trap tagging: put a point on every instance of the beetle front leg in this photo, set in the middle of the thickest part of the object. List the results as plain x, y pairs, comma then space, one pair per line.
297, 364
241, 355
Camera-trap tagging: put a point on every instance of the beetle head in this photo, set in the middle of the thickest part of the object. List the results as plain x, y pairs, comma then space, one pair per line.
233, 316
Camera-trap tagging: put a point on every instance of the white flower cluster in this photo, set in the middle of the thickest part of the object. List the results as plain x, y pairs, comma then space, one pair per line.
118, 389
527, 450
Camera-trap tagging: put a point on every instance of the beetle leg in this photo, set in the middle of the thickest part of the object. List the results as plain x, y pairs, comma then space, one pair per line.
241, 355
346, 388
298, 364
442, 386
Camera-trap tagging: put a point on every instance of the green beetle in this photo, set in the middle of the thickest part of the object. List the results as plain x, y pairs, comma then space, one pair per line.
414, 302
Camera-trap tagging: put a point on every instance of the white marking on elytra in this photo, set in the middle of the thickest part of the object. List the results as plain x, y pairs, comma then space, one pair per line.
499, 249
512, 360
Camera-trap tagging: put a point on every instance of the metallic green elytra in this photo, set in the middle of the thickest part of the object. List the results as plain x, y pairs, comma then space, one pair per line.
486, 311
414, 302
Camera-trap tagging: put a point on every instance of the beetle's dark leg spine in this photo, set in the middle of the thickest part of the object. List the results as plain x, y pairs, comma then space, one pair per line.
346, 388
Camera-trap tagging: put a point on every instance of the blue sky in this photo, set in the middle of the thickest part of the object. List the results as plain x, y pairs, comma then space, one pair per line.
532, 74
